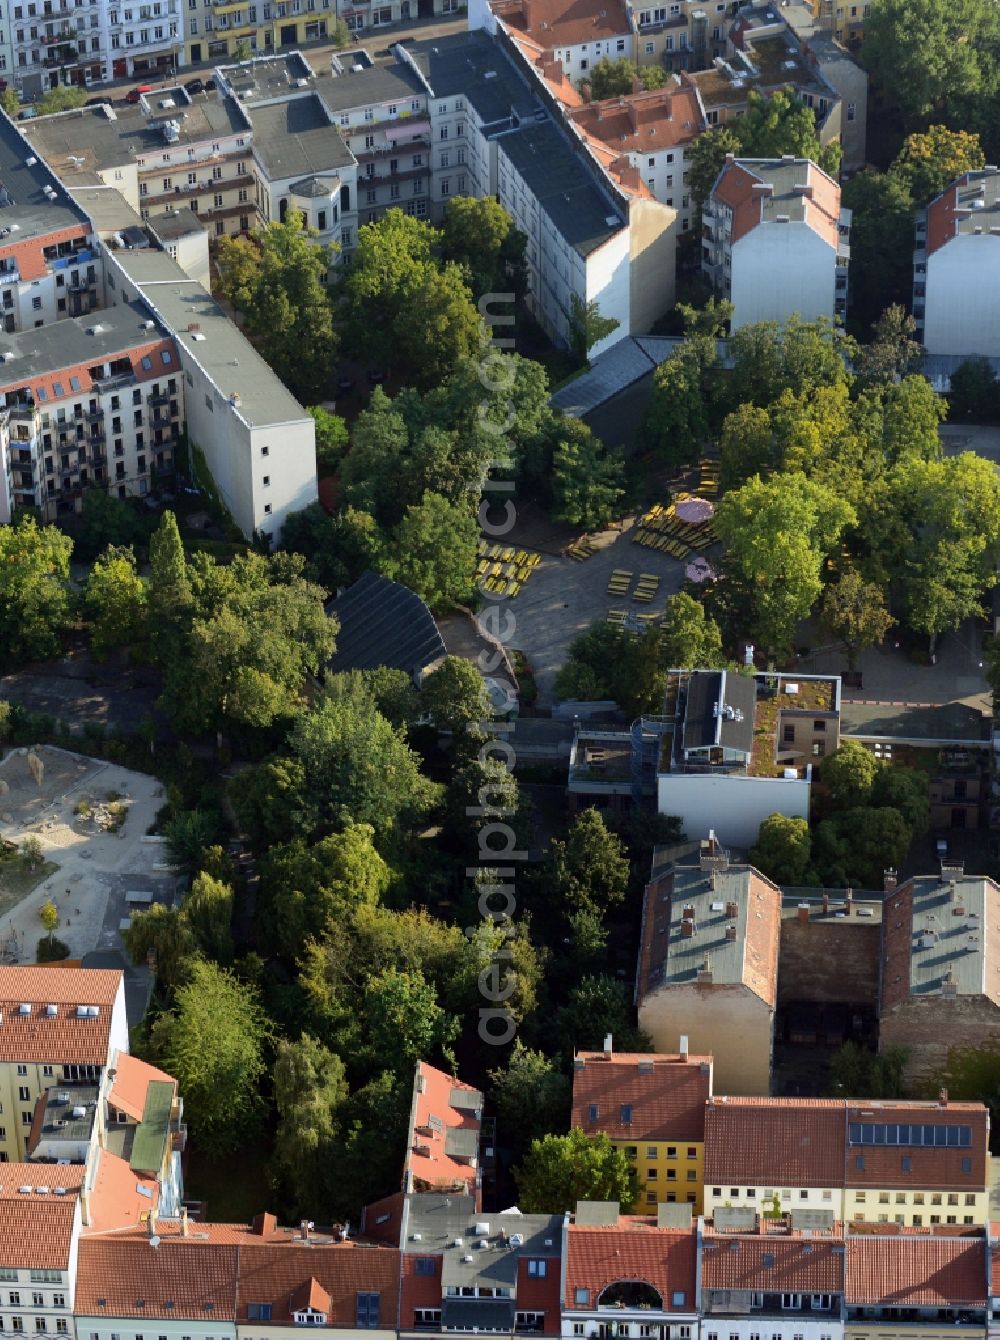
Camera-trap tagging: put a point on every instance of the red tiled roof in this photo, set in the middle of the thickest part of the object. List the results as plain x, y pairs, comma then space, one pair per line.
119, 1276
36, 1227
428, 1166
770, 1142
276, 1274
661, 118
36, 1036
916, 1272
925, 1167
565, 23
734, 188
773, 1264
310, 1296
132, 1078
634, 1250
115, 1201
667, 1103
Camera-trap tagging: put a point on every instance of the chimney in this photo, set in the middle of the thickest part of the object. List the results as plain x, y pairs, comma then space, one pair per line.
807, 191
608, 1044
687, 928
949, 987
184, 1221
732, 909
305, 1226
848, 901
85, 1207
705, 972
730, 158
804, 914
151, 1223
682, 1050
826, 901
528, 10
943, 1097
889, 880
731, 933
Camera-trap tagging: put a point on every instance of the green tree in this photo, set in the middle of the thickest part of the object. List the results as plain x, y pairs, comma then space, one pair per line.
277, 282
855, 1070
115, 601
706, 158
892, 352
608, 662
188, 833
339, 549
688, 637
34, 597
404, 1020
48, 915
975, 392
331, 442
928, 57
784, 850
609, 78
928, 162
881, 245
434, 551
587, 478
531, 1097
589, 868
63, 98
587, 326
777, 534
906, 790
746, 446
676, 424
214, 1042
354, 767
856, 846
305, 889
597, 1006
109, 521
31, 851
9, 101
310, 1092
162, 935
849, 774
854, 612
560, 1170
770, 359
780, 123
208, 911
479, 235
340, 35
455, 697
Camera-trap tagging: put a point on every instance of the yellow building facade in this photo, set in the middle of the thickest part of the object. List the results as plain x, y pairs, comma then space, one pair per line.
669, 1171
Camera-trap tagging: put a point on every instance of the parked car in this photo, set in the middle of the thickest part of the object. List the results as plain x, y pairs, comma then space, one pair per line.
195, 86
140, 90
209, 85
27, 114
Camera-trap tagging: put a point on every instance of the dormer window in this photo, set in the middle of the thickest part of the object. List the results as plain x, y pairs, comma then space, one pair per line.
309, 1318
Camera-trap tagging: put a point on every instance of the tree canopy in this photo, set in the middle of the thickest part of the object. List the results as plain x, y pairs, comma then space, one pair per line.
34, 596
559, 1170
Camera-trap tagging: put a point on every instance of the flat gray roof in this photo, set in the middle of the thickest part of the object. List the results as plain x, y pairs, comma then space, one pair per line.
945, 943
692, 887
24, 206
64, 344
106, 207
561, 182
93, 139
380, 82
442, 1220
266, 76
225, 353
296, 138
173, 223
915, 721
473, 66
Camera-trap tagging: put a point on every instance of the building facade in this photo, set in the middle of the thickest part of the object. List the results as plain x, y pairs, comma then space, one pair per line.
956, 265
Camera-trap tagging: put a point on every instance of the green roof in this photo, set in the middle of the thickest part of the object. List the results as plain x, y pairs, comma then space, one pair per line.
151, 1138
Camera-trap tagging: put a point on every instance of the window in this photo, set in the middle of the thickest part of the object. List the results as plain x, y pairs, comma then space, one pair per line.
258, 1312
22, 1069
267, 481
24, 1094
788, 734
537, 1268
14, 1299
967, 1165
366, 1316
926, 1136
906, 1163
266, 451
593, 1112
626, 1114
678, 1298
581, 1297
852, 111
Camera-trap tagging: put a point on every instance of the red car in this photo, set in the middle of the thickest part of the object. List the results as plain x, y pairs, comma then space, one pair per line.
139, 91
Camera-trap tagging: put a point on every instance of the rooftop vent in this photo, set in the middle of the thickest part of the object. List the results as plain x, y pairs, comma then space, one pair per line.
51, 1011
30, 162
24, 1008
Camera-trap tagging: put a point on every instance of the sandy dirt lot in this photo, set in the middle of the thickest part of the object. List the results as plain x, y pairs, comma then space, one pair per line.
95, 867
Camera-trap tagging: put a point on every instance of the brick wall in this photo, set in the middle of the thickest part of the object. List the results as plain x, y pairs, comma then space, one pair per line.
829, 961
930, 1026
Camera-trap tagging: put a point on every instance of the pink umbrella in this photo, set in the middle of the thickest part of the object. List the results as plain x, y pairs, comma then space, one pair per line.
694, 510
699, 571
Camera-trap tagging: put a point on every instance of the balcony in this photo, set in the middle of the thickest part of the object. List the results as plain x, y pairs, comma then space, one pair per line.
188, 190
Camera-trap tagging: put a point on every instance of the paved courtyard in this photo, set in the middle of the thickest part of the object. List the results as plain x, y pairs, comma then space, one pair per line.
95, 867
562, 598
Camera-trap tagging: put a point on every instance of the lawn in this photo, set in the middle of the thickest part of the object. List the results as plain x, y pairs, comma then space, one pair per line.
17, 880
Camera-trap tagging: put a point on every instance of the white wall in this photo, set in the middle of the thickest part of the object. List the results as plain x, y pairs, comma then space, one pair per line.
827, 1326
781, 268
118, 1036
131, 1328
961, 309
792, 1199
607, 271
735, 806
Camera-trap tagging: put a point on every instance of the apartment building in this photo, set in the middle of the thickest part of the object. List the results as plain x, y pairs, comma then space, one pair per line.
763, 1277
165, 153
39, 1237
254, 437
628, 1277
920, 1287
442, 1151
577, 35
708, 966
463, 1269
939, 965
908, 1164
652, 1106
91, 401
56, 1025
834, 64
681, 34
767, 217
52, 42
956, 266
653, 130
